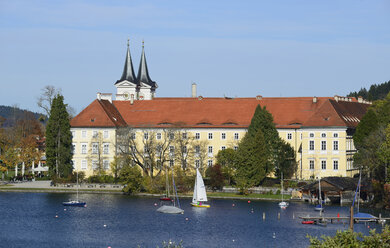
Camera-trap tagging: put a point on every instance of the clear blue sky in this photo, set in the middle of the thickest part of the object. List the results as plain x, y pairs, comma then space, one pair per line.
232, 48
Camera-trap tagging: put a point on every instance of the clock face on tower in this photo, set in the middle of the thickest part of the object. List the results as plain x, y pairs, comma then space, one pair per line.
126, 95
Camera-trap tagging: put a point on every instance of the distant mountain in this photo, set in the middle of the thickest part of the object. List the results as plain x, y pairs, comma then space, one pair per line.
10, 115
376, 92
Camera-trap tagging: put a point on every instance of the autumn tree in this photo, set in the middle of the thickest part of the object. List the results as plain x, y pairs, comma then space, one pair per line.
227, 159
59, 139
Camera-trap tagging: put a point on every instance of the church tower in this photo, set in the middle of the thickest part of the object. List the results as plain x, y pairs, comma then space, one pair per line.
131, 87
147, 87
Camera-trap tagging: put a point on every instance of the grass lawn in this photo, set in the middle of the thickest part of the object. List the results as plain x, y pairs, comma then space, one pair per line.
253, 195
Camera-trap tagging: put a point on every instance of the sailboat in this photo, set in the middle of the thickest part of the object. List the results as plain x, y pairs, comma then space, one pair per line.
282, 204
169, 209
319, 206
360, 217
75, 203
166, 196
199, 192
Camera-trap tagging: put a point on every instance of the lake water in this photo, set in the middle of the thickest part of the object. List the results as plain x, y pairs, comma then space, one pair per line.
29, 220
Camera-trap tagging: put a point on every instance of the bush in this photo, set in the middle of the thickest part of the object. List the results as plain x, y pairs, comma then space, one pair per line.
100, 179
156, 185
184, 180
132, 178
216, 177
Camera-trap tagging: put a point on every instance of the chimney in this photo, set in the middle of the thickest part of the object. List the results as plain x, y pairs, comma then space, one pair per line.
193, 90
99, 96
315, 99
360, 99
259, 97
336, 98
132, 99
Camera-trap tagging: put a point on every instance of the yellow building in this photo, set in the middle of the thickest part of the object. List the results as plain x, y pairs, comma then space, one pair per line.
190, 131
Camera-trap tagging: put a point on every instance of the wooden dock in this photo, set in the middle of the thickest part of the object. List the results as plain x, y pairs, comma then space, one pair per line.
341, 219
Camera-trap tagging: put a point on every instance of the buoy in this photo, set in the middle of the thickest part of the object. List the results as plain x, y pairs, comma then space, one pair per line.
64, 209
155, 204
368, 226
105, 225
233, 240
233, 205
273, 235
249, 201
187, 219
56, 216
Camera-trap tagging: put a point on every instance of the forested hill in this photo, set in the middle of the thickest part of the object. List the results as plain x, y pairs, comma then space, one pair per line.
10, 115
376, 92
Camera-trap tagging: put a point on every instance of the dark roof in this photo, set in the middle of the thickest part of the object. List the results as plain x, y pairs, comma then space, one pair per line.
143, 73
350, 112
128, 70
339, 183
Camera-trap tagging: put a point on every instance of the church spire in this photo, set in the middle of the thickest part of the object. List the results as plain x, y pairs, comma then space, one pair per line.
128, 70
143, 73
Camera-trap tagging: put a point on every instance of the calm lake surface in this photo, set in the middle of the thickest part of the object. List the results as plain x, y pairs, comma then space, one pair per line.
29, 220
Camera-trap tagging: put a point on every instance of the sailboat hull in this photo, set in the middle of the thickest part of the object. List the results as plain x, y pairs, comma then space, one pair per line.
74, 204
200, 205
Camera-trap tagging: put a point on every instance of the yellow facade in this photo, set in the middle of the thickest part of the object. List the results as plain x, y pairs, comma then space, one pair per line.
320, 152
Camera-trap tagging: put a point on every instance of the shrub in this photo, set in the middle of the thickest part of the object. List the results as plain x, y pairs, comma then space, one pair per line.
216, 177
155, 185
132, 178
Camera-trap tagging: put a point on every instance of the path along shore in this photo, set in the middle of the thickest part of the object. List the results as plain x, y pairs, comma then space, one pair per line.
44, 187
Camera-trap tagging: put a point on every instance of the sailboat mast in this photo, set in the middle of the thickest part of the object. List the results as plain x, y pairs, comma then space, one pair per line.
282, 187
358, 198
77, 180
319, 191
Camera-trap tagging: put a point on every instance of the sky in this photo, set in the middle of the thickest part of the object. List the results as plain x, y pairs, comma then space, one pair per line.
281, 48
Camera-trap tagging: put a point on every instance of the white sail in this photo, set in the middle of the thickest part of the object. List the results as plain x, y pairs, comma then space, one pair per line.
199, 189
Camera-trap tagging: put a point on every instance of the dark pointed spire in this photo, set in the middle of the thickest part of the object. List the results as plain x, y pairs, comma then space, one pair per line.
128, 70
143, 73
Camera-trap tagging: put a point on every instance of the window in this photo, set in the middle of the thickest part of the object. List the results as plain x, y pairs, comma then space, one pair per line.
236, 136
311, 135
94, 164
73, 148
171, 150
146, 136
335, 145
197, 150
106, 165
335, 165
323, 135
84, 148
311, 164
236, 148
171, 136
132, 136
84, 134
289, 136
323, 145
197, 163
223, 136
106, 147
301, 135
94, 134
323, 164
184, 149
223, 148
105, 134
210, 136
158, 150
171, 163
133, 149
83, 164
197, 136
158, 136
95, 148
184, 135
210, 163
73, 134
335, 135
210, 150
311, 145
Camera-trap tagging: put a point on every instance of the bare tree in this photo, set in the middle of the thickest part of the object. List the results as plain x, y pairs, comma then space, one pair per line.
46, 98
200, 154
185, 150
99, 153
149, 152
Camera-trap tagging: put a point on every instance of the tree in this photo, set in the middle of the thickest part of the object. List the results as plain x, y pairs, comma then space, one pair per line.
285, 160
116, 167
367, 125
200, 154
384, 152
252, 157
216, 179
98, 153
132, 178
45, 101
227, 159
184, 147
59, 139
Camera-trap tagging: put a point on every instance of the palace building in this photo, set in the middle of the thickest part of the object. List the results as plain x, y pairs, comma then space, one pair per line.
320, 129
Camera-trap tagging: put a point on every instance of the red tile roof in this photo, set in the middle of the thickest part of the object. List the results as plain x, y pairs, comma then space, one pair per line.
288, 112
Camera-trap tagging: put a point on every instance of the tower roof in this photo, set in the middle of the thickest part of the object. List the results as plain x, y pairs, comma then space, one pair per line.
128, 70
143, 73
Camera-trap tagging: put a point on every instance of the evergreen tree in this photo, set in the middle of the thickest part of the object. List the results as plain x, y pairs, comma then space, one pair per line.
59, 140
367, 125
285, 160
263, 120
252, 158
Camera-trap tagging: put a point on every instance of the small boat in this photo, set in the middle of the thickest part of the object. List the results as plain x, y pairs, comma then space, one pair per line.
308, 222
169, 209
75, 203
282, 204
319, 207
165, 198
199, 192
361, 217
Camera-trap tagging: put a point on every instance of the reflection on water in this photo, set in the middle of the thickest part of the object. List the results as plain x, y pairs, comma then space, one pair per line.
39, 220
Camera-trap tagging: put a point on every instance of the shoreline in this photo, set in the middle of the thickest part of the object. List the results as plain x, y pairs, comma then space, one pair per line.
119, 192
